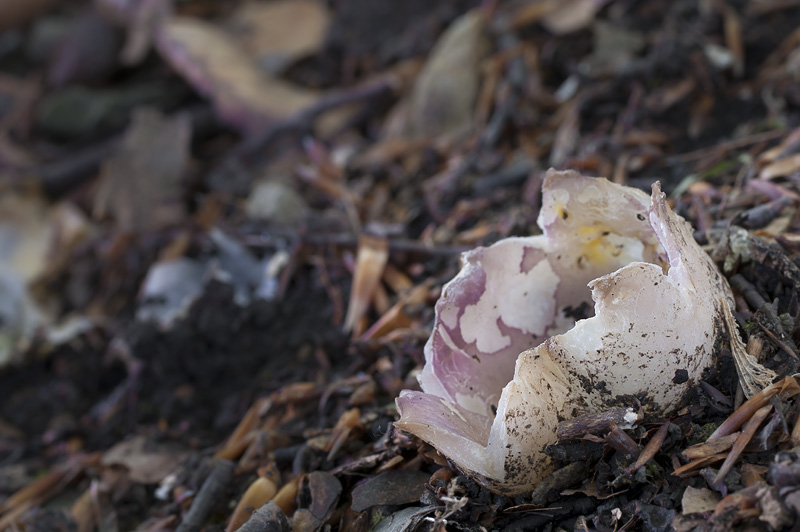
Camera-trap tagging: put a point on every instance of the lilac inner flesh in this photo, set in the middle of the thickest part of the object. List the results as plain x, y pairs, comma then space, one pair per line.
548, 292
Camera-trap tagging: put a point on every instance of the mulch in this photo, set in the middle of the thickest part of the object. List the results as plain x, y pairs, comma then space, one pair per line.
224, 251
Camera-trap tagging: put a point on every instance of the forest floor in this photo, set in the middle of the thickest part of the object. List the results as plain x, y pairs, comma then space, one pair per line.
190, 188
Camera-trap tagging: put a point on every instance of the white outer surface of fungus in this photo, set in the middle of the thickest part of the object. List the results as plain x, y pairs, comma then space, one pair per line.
506, 359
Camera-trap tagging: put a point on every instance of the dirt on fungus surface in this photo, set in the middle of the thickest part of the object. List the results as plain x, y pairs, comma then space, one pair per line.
218, 264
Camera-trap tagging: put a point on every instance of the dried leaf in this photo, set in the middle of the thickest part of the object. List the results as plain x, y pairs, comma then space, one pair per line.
571, 15
141, 182
243, 95
324, 490
396, 318
147, 463
277, 33
781, 167
715, 446
696, 465
443, 98
275, 202
614, 48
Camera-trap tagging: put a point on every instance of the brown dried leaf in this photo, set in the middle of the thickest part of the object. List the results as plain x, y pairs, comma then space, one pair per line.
218, 68
443, 98
141, 180
718, 445
571, 15
324, 490
781, 167
146, 463
26, 232
276, 33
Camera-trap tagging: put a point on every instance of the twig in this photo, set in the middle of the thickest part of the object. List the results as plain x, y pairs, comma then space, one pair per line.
596, 424
755, 300
741, 442
728, 145
715, 446
350, 240
650, 449
696, 465
788, 386
763, 214
212, 490
783, 345
750, 293
623, 443
257, 144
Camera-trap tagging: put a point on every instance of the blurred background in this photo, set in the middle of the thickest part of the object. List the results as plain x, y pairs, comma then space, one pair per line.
204, 201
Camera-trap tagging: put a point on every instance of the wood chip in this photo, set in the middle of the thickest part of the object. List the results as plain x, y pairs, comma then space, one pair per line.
700, 500
373, 254
715, 446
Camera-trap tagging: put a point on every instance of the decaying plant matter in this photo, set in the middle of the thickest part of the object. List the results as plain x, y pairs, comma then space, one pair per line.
507, 359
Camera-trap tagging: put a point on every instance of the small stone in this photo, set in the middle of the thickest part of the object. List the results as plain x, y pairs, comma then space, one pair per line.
276, 202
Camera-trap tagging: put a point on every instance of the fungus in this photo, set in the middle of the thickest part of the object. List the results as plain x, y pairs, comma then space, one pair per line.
507, 359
